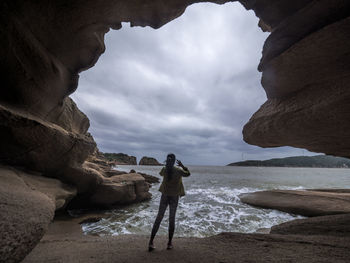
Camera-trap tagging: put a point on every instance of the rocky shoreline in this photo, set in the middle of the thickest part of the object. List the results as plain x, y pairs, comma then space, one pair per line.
288, 242
316, 239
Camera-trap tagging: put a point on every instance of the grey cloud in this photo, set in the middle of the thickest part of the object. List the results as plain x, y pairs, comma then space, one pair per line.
186, 88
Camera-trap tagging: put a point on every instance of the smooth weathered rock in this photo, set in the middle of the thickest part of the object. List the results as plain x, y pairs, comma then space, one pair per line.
149, 161
25, 215
140, 184
335, 225
69, 117
305, 75
312, 17
86, 179
317, 123
306, 203
331, 190
294, 69
120, 190
40, 146
110, 194
57, 191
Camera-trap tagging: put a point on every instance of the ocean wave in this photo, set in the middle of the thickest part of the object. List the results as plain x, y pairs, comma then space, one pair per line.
202, 212
212, 204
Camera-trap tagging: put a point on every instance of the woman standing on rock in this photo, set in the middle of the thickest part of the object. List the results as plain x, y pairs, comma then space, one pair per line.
171, 189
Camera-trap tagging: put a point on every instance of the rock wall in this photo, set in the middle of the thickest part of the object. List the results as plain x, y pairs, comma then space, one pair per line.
305, 73
46, 44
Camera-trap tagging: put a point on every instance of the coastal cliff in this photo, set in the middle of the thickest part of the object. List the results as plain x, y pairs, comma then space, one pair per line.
321, 161
49, 158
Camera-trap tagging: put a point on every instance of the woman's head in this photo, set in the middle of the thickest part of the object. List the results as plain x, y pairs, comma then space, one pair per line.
170, 160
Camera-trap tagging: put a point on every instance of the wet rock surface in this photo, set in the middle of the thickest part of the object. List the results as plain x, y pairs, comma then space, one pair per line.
306, 203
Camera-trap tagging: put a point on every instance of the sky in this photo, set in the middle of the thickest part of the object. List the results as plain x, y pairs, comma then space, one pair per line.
186, 88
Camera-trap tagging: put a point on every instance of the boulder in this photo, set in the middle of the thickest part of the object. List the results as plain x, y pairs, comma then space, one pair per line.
306, 203
110, 194
140, 183
120, 190
86, 179
149, 161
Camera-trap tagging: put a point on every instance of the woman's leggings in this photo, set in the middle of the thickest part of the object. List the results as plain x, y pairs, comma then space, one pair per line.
166, 200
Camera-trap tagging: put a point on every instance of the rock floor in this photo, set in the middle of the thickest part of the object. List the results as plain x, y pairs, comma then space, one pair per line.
64, 242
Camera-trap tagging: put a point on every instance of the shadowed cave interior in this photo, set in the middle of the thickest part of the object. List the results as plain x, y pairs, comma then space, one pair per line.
47, 155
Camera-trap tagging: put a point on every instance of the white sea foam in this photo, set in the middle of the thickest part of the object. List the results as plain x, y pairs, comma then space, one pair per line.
212, 204
202, 212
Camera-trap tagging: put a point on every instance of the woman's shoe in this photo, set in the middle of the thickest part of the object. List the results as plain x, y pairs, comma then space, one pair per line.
170, 246
151, 247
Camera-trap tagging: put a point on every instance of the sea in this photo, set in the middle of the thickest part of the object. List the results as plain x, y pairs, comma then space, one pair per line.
212, 204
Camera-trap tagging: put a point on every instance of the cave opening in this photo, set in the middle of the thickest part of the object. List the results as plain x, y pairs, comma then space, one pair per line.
141, 101
187, 87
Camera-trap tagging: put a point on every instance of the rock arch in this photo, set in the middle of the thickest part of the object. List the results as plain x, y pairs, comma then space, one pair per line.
46, 44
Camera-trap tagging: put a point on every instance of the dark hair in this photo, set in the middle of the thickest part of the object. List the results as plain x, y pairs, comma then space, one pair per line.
170, 161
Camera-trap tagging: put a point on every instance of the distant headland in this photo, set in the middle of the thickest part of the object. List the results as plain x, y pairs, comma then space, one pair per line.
320, 161
124, 159
149, 161
120, 158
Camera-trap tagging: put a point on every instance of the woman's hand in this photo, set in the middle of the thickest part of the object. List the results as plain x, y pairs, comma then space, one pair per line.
179, 163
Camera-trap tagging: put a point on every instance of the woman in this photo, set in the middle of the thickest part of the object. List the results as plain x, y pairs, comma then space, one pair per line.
171, 189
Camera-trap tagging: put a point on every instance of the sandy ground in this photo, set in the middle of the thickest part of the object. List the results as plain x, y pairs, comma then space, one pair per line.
64, 242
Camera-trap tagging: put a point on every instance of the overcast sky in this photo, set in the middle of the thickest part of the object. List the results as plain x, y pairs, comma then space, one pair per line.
187, 88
